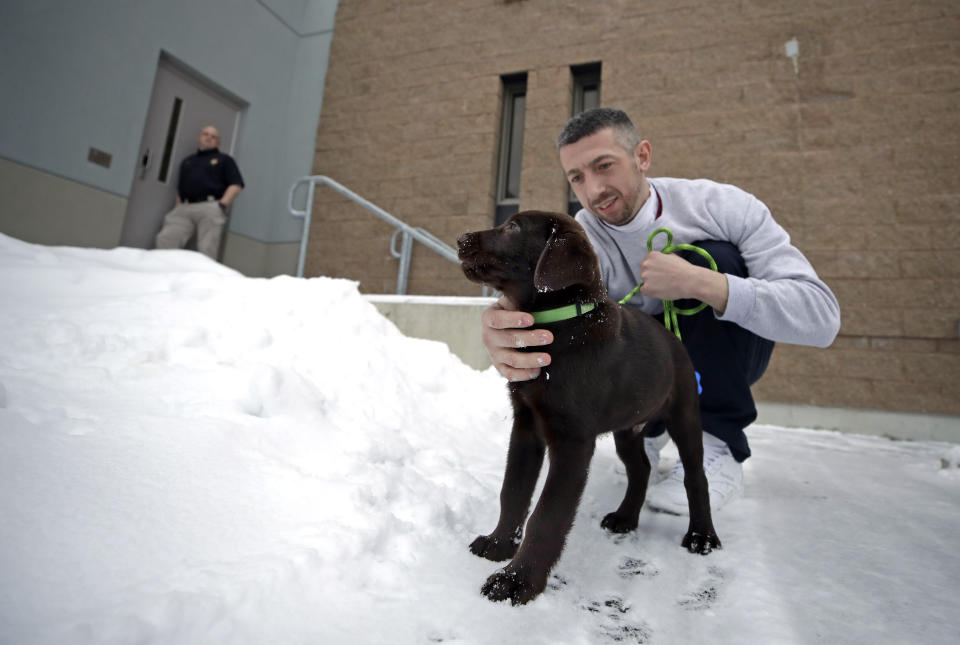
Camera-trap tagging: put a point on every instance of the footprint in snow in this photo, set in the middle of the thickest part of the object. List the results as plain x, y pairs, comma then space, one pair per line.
706, 594
615, 622
631, 567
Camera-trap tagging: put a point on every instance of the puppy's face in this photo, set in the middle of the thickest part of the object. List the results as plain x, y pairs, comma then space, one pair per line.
531, 253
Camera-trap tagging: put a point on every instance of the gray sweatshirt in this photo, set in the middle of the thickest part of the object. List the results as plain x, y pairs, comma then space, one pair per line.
782, 299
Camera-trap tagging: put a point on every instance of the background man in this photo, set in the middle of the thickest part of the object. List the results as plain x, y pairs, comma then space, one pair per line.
209, 182
765, 290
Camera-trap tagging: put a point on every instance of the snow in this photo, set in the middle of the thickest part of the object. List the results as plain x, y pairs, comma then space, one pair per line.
191, 456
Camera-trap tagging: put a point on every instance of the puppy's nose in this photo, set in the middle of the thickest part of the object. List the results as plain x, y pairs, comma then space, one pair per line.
466, 241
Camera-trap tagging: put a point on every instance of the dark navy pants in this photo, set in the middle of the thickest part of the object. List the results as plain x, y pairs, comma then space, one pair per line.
729, 358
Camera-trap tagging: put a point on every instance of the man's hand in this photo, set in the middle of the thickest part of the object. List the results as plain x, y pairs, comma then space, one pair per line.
504, 331
669, 277
230, 194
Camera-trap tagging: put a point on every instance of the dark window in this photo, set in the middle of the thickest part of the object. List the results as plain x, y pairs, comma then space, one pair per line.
511, 146
171, 137
586, 95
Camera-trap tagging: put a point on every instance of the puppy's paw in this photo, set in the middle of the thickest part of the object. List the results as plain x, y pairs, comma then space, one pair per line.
495, 548
616, 523
515, 585
702, 543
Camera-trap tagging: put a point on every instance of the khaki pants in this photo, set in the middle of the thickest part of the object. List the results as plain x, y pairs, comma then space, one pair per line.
206, 218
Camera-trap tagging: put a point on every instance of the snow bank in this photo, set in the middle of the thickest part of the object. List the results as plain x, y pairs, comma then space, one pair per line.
191, 456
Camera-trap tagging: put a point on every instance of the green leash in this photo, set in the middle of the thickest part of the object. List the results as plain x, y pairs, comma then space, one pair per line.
670, 310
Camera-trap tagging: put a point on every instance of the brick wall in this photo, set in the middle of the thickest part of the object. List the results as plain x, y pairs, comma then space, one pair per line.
855, 151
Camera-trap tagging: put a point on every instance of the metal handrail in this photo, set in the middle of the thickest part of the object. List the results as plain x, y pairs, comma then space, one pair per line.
406, 232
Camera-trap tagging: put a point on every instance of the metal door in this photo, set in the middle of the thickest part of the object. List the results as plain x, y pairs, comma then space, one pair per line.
180, 106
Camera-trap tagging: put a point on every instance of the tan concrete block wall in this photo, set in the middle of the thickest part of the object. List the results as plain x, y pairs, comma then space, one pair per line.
855, 152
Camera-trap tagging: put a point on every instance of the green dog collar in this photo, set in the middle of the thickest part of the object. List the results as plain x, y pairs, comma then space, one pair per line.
563, 313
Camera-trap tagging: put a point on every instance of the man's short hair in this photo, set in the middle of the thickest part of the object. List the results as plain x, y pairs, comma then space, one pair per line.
596, 119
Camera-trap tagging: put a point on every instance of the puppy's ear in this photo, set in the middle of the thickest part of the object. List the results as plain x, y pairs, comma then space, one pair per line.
567, 259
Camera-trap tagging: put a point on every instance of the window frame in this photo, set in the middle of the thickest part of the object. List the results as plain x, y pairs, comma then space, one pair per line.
585, 90
510, 157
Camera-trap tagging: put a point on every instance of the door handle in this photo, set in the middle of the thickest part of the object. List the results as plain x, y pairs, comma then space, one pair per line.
146, 160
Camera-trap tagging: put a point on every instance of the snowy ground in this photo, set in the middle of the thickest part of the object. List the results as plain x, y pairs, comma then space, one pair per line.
190, 456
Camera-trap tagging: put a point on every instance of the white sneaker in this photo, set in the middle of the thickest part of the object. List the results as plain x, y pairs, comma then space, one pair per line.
724, 477
652, 446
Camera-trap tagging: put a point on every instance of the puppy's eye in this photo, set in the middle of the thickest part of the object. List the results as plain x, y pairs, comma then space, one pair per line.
512, 226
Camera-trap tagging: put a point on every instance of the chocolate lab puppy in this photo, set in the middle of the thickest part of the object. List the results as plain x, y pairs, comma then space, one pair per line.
613, 370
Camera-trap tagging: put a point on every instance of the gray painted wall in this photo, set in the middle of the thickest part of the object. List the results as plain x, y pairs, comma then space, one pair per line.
79, 74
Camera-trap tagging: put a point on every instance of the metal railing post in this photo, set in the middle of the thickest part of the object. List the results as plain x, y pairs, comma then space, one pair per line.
406, 254
305, 235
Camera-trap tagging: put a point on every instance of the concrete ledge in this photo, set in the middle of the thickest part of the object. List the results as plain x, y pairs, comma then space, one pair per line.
896, 425
456, 322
